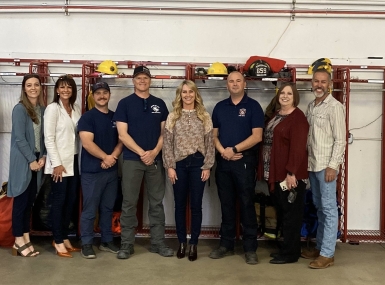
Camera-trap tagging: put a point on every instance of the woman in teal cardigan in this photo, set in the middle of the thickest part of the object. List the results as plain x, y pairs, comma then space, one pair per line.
26, 161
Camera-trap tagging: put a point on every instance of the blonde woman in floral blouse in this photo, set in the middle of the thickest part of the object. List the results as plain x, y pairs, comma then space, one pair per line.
188, 155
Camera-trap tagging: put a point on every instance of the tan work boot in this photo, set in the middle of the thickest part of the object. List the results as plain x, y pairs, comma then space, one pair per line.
310, 253
321, 262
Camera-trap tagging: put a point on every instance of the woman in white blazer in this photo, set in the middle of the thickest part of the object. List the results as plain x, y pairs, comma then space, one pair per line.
62, 144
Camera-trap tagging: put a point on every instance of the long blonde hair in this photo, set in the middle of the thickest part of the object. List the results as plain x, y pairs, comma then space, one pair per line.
198, 104
25, 101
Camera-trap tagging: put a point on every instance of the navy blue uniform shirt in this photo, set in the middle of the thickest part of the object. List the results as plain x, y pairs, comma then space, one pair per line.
143, 117
105, 137
235, 122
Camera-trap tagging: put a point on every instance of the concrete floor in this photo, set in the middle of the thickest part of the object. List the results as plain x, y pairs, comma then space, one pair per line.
354, 264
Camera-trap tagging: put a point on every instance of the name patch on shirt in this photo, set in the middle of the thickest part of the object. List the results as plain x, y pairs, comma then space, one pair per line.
242, 112
155, 109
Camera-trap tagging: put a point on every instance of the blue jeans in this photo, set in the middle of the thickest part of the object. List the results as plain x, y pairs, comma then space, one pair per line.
63, 201
189, 174
237, 179
99, 192
324, 198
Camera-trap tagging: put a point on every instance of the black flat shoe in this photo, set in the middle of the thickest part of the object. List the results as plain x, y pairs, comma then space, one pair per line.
181, 251
193, 253
274, 254
282, 260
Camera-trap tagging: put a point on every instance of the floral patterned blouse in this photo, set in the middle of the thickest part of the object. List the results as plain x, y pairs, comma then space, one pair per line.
268, 142
188, 136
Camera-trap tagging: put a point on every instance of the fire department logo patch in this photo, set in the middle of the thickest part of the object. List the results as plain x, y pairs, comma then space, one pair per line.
242, 112
155, 109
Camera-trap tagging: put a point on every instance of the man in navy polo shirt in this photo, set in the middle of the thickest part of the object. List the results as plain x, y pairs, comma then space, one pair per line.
99, 171
238, 123
140, 119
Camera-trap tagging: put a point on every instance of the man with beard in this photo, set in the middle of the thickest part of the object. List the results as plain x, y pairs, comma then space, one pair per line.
238, 123
326, 147
99, 171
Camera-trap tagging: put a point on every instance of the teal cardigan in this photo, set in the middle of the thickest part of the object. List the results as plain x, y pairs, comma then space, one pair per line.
23, 151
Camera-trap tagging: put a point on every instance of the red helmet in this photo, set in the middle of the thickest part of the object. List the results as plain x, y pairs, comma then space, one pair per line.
275, 64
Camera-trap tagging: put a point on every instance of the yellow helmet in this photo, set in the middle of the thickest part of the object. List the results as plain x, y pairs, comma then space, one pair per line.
217, 68
107, 67
90, 101
321, 63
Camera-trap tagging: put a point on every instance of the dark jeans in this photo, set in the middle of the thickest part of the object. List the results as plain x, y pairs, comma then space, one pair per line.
237, 179
189, 174
291, 215
99, 192
22, 206
63, 201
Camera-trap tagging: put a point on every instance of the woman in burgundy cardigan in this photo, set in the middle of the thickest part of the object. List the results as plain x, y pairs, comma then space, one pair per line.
285, 160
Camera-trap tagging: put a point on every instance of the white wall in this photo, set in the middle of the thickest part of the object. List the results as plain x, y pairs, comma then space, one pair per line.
226, 37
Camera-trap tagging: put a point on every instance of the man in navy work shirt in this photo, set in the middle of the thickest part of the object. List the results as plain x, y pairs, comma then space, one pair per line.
99, 171
140, 119
238, 123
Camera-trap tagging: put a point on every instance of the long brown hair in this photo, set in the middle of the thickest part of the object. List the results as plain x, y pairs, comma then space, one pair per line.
25, 101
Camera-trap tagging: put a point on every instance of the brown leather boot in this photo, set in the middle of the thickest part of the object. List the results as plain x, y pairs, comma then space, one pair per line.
310, 253
321, 262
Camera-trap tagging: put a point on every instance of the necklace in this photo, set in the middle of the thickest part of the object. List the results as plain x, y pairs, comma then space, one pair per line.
68, 112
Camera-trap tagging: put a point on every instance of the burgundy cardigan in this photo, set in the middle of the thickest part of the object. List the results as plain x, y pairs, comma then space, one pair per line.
288, 152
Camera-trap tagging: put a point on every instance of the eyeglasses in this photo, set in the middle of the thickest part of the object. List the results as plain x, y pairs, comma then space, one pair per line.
144, 105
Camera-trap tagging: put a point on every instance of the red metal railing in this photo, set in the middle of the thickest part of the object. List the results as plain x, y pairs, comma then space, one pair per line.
341, 84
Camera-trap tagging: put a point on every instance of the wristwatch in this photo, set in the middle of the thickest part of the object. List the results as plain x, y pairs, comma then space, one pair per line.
291, 174
234, 149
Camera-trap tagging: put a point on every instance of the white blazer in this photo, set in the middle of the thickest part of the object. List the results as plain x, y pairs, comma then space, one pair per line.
61, 137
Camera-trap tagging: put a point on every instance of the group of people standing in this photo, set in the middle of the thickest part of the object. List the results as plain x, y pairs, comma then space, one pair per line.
184, 144
299, 147
44, 139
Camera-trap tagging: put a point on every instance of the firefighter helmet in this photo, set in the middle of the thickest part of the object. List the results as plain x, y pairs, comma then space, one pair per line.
321, 63
217, 68
107, 67
260, 68
275, 64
